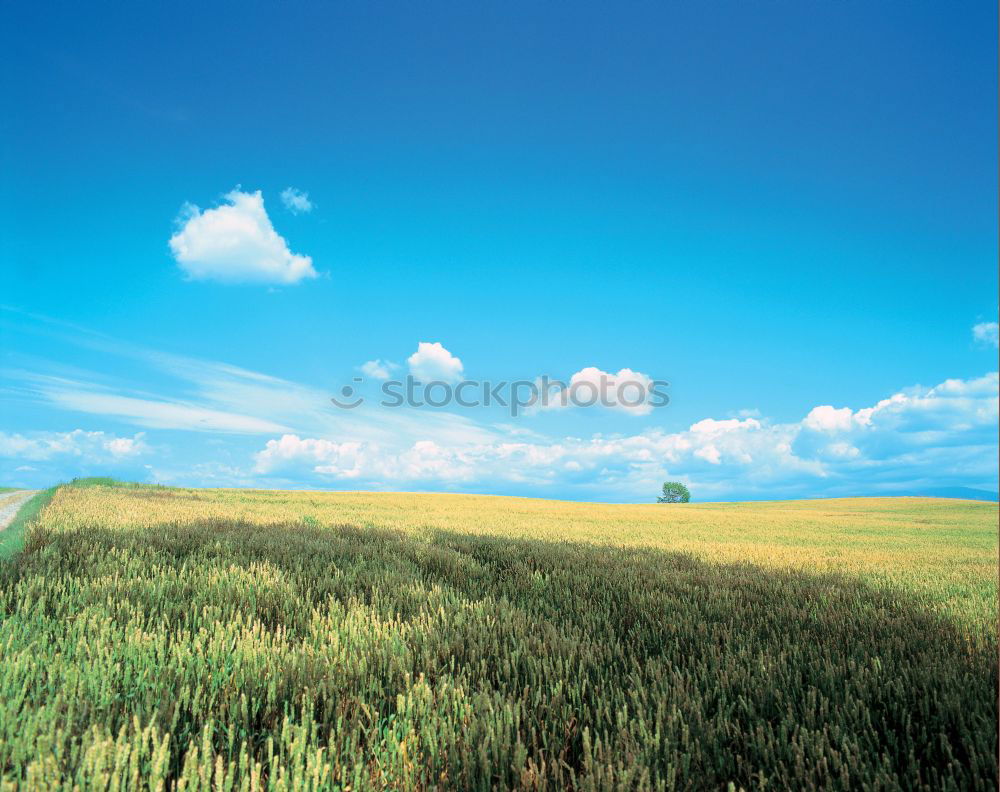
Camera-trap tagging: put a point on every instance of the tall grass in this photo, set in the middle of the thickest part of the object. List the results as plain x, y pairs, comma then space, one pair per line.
201, 651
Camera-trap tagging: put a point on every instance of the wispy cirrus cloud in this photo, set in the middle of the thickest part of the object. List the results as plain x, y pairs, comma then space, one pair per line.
206, 396
156, 414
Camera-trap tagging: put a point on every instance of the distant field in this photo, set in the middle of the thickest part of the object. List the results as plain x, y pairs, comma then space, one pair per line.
301, 640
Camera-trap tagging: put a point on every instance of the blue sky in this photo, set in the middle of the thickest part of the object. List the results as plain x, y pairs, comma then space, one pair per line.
775, 207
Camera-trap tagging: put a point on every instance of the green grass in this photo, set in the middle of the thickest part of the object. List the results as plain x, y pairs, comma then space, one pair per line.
12, 537
9, 489
107, 481
159, 636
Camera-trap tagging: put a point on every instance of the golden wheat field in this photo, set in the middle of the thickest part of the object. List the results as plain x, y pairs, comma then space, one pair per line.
162, 638
946, 549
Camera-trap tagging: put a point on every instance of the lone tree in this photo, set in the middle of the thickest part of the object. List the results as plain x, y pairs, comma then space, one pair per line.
674, 492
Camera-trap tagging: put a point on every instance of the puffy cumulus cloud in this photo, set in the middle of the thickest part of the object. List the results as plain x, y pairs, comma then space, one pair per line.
628, 465
296, 201
432, 362
922, 437
379, 369
709, 453
713, 427
95, 446
425, 460
829, 419
123, 446
628, 390
987, 333
955, 413
236, 243
323, 456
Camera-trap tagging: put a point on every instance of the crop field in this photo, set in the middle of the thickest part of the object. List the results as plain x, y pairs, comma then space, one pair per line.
158, 638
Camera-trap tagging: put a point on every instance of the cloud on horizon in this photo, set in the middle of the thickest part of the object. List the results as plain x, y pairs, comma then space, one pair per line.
217, 424
41, 446
919, 437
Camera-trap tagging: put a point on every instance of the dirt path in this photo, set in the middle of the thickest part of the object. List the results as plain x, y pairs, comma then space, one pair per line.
10, 502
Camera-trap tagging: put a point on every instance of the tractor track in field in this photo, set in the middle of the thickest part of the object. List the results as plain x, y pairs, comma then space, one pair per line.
10, 503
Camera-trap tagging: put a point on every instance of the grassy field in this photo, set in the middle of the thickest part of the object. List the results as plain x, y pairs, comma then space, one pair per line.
214, 639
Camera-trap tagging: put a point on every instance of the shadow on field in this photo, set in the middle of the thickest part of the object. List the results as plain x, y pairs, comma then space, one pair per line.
512, 663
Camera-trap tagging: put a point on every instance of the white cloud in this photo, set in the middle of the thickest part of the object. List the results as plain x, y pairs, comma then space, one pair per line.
236, 243
159, 414
629, 391
432, 362
296, 201
94, 446
987, 333
290, 449
379, 369
941, 436
124, 446
628, 466
423, 461
213, 397
710, 427
917, 438
709, 453
829, 419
